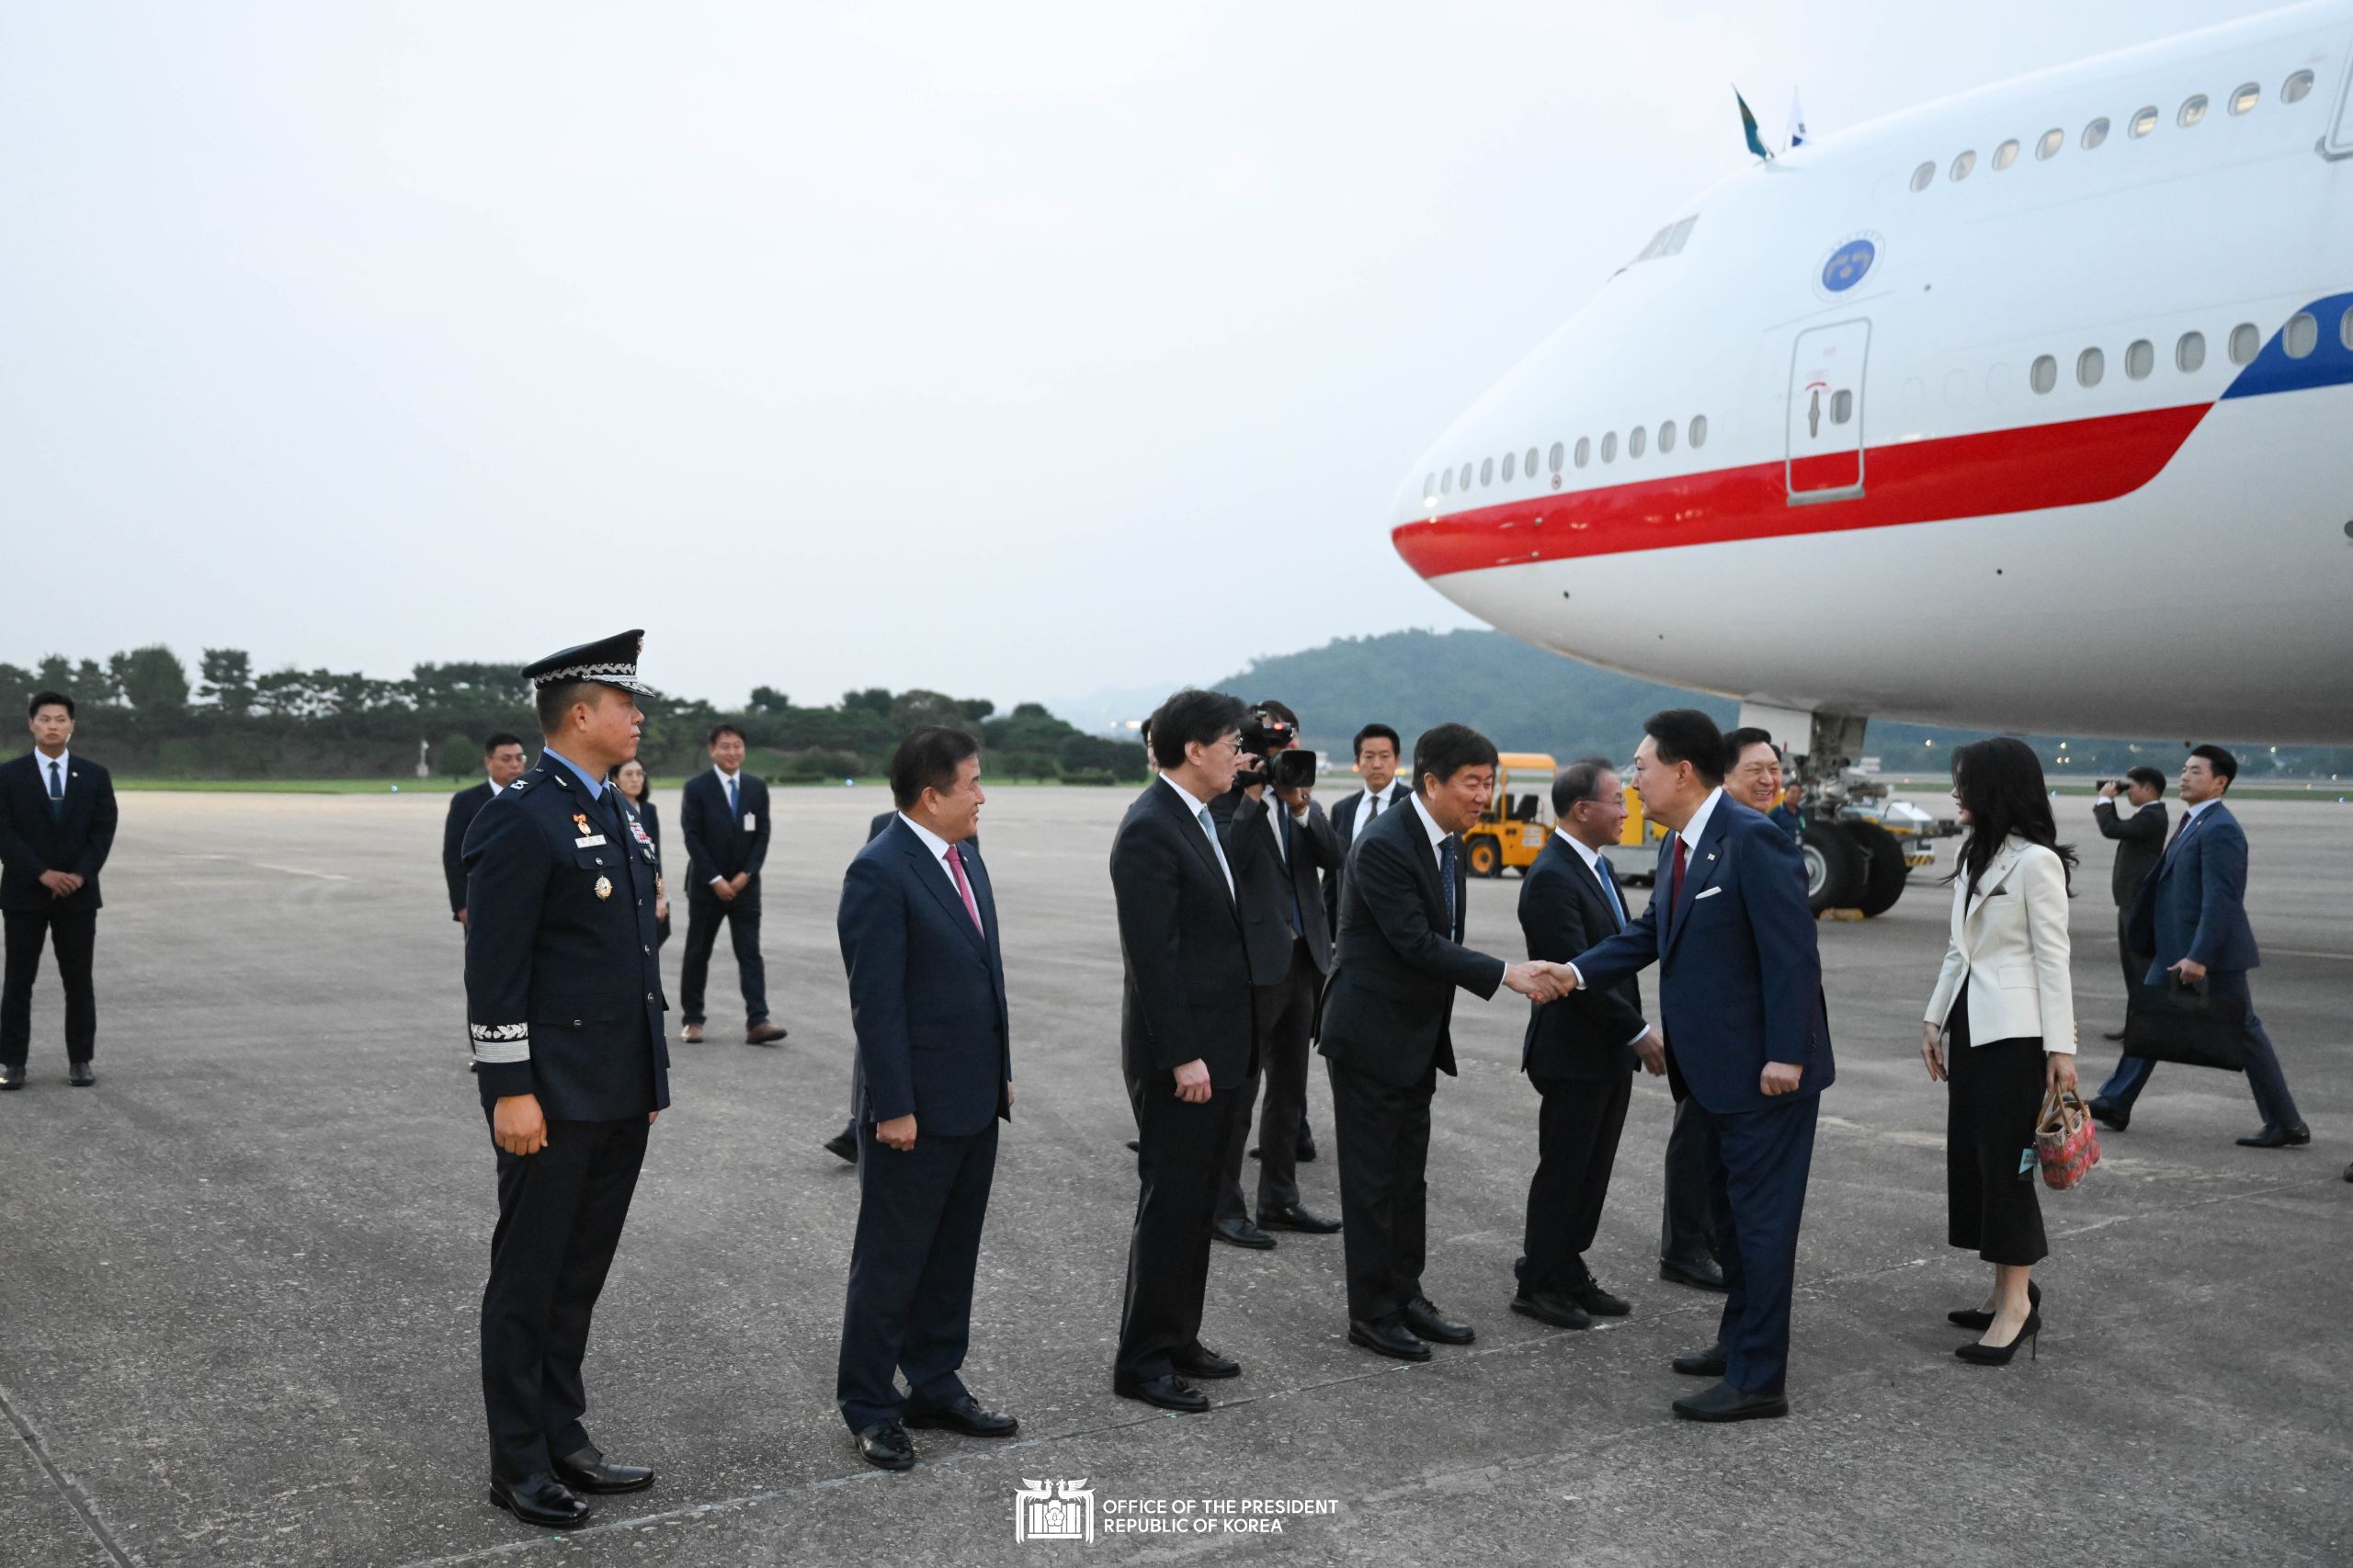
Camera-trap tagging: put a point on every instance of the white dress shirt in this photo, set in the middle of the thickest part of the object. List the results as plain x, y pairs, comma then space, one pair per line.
1592, 858
940, 848
64, 761
1690, 836
734, 803
1387, 796
1198, 812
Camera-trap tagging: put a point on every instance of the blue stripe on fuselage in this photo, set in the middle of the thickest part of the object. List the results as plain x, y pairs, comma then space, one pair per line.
2330, 364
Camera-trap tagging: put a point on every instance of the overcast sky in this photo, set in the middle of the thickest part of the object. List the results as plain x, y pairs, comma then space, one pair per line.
1020, 350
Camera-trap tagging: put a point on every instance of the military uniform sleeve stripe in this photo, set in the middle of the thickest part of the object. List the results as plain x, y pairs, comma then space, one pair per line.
501, 1042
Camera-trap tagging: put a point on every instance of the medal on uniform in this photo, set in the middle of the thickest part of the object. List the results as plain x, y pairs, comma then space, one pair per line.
604, 887
580, 821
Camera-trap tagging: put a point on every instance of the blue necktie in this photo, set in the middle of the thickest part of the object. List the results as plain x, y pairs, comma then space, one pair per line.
1446, 880
56, 791
1298, 920
734, 803
1609, 887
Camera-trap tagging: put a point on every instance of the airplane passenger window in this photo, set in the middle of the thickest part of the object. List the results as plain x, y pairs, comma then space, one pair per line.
2245, 342
1635, 438
2295, 87
2190, 353
2006, 153
2045, 374
1466, 476
2052, 140
1609, 446
2249, 94
2095, 134
1923, 176
2344, 327
1666, 437
1585, 450
2302, 337
1487, 473
1446, 483
1528, 464
1962, 165
2193, 109
1700, 421
2090, 365
2145, 121
1556, 457
1841, 406
2140, 359
1511, 460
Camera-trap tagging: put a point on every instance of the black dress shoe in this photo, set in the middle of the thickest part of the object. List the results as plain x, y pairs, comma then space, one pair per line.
540, 1500
81, 1074
1202, 1361
1293, 1217
589, 1471
1168, 1390
2107, 1113
2294, 1136
1707, 1363
843, 1145
2113, 1035
1725, 1402
1423, 1323
1239, 1232
886, 1445
1700, 1273
964, 1415
1549, 1306
1589, 1295
1387, 1339
12, 1077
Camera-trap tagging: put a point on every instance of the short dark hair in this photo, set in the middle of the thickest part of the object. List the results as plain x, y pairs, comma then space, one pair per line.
1685, 734
555, 701
723, 729
1375, 733
2224, 764
49, 699
1189, 716
1580, 780
1281, 710
1447, 750
2145, 776
499, 739
929, 759
1740, 740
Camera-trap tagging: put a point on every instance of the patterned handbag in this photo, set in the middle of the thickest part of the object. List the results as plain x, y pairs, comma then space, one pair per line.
2066, 1144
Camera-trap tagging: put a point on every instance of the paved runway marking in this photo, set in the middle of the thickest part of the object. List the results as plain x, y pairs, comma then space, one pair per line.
266, 866
67, 1487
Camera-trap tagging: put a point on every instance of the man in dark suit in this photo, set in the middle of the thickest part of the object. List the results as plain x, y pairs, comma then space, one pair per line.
502, 760
1388, 1013
2132, 815
1277, 851
57, 821
1186, 1042
1378, 753
920, 946
564, 1004
725, 820
1580, 1052
1740, 1001
2191, 914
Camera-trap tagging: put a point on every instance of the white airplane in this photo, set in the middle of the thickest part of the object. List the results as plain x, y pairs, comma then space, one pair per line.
2030, 409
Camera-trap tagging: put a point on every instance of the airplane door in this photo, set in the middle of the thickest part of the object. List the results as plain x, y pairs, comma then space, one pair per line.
1826, 461
2338, 142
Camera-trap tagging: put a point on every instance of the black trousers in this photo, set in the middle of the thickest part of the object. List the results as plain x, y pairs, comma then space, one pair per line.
1285, 1016
73, 933
705, 913
910, 1303
1576, 1144
2136, 964
1384, 1133
1180, 1161
559, 1218
1994, 1099
1692, 1228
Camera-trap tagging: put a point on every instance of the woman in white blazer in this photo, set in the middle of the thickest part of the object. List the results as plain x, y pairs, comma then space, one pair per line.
2001, 1028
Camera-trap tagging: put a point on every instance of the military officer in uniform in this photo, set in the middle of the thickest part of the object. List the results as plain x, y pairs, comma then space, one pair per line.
564, 1002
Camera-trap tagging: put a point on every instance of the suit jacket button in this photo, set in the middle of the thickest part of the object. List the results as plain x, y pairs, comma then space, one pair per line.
649, 995
575, 1023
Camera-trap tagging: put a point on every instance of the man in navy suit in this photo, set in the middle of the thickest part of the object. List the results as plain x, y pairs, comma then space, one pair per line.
926, 991
2191, 912
725, 820
502, 760
57, 820
1740, 1004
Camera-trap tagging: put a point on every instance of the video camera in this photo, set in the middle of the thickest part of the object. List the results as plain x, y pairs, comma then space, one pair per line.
1266, 740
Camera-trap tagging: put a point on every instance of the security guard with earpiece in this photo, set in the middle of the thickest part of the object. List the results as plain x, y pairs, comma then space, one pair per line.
563, 1003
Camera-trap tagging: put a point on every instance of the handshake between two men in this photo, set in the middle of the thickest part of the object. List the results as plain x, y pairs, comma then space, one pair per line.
1541, 980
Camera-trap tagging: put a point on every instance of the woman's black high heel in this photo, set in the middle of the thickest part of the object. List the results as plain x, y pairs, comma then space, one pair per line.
1970, 1317
1984, 1355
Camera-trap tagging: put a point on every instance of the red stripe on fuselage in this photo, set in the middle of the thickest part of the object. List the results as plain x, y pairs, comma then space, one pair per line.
2023, 469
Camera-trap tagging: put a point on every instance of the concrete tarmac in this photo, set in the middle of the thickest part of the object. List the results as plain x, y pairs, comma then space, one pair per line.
240, 1279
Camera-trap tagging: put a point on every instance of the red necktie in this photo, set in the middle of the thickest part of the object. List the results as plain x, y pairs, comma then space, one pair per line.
1674, 888
956, 866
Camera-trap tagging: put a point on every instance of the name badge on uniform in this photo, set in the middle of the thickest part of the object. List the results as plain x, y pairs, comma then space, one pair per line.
590, 841
751, 821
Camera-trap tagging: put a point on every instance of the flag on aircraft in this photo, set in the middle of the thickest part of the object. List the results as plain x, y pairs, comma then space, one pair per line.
1797, 136
1748, 126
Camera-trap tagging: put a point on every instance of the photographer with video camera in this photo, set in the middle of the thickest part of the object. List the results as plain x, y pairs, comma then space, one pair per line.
1279, 845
